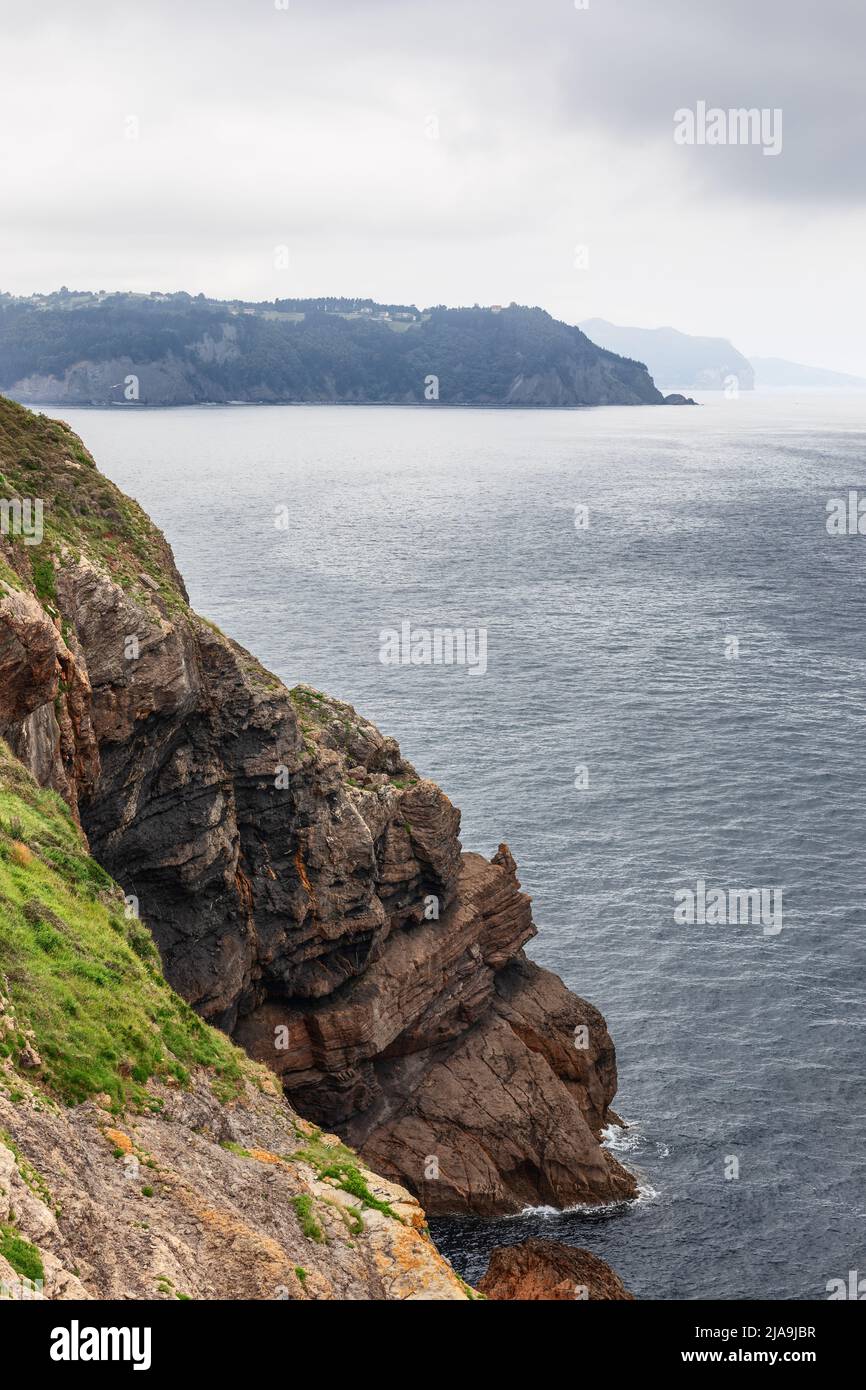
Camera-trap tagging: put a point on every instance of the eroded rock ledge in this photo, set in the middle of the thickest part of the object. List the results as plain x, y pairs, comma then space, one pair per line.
306, 887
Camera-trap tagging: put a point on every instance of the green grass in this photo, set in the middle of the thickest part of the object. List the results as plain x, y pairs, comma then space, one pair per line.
320, 1155
234, 1148
305, 1211
340, 1164
82, 975
21, 1255
349, 1178
44, 580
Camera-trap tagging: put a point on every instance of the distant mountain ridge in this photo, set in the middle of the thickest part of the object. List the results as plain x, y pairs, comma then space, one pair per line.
682, 360
776, 371
84, 348
676, 359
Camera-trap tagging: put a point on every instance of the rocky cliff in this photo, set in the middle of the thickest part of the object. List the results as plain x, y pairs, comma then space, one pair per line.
306, 887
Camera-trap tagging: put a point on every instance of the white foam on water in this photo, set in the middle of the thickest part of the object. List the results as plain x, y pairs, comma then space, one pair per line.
619, 1140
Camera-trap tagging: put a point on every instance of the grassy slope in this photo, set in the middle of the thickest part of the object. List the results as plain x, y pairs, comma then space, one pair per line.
82, 511
82, 975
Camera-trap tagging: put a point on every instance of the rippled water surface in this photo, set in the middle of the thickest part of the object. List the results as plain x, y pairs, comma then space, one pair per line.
606, 649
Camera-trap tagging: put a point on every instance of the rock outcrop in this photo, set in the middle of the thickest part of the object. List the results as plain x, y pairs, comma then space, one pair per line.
306, 887
199, 1202
547, 1270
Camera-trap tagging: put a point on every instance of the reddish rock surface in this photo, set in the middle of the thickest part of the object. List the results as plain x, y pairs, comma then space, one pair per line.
546, 1270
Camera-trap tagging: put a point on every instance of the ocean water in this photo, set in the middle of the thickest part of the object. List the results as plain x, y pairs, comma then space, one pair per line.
612, 648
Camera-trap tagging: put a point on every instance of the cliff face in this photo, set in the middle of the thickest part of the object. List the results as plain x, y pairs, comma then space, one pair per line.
306, 887
579, 378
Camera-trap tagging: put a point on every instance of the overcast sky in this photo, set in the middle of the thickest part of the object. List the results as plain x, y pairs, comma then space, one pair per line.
446, 151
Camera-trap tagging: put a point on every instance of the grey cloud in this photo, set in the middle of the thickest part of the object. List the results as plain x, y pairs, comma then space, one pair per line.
617, 70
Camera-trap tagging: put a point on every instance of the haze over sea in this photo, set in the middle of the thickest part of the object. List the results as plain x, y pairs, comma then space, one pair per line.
606, 648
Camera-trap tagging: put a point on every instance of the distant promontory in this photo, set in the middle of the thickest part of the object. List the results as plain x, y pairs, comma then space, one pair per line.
97, 348
678, 361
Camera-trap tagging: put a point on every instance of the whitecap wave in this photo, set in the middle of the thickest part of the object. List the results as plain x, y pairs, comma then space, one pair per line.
645, 1193
619, 1140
